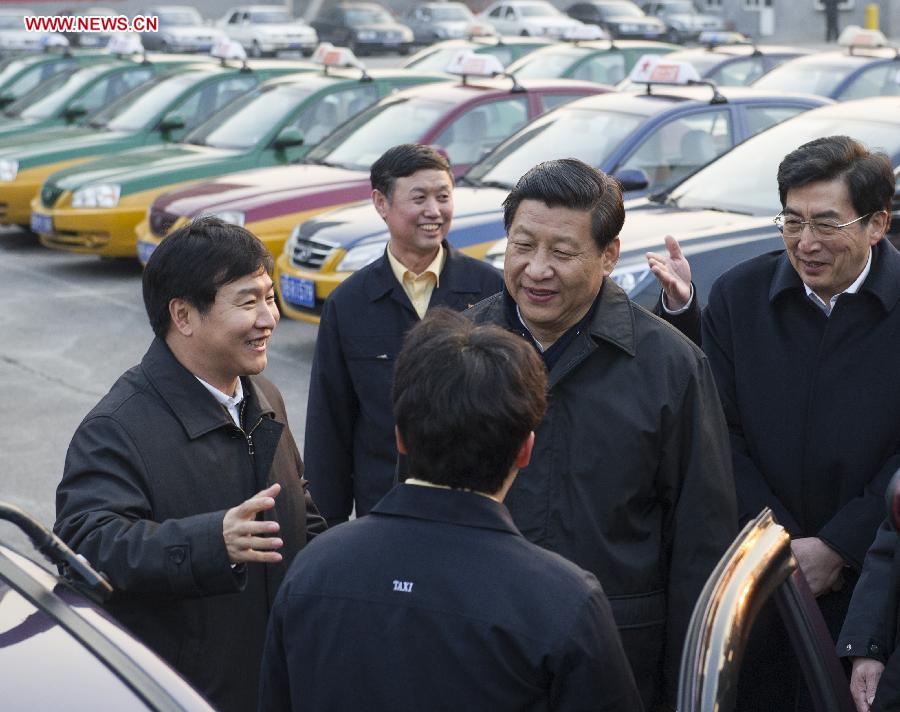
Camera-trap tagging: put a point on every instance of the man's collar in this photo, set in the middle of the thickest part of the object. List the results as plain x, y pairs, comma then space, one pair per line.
449, 506
883, 280
380, 279
193, 406
400, 270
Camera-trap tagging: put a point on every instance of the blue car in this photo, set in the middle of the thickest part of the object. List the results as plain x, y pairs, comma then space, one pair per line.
648, 142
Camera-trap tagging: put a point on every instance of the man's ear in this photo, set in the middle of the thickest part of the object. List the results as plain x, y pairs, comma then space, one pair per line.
523, 457
381, 203
610, 256
877, 226
182, 315
401, 446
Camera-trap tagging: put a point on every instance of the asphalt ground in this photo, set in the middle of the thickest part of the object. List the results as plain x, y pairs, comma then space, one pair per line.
69, 326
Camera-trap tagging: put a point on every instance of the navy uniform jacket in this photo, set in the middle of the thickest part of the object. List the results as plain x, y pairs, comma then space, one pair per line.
349, 449
436, 602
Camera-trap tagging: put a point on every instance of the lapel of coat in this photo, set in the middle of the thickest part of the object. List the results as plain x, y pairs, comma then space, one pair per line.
266, 431
457, 284
381, 283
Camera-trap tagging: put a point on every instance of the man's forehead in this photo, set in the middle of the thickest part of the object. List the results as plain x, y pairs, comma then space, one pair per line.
425, 179
251, 282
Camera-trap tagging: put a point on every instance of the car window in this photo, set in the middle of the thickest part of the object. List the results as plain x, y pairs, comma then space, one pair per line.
496, 11
202, 104
883, 80
510, 13
551, 101
319, 120
602, 68
545, 65
502, 53
759, 118
112, 87
32, 77
680, 146
801, 76
476, 132
739, 73
235, 18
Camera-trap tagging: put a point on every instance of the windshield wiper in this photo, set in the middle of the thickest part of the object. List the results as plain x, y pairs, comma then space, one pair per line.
494, 184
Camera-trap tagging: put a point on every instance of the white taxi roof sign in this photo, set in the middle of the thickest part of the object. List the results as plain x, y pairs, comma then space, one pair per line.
656, 69
721, 37
584, 32
227, 48
856, 36
54, 39
128, 43
480, 29
328, 55
468, 63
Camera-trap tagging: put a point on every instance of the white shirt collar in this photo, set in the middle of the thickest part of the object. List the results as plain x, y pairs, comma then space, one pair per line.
852, 289
231, 403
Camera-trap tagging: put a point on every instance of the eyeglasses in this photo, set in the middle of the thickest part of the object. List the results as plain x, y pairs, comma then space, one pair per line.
822, 229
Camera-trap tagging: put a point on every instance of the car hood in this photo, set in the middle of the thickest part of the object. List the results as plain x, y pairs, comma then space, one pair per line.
143, 168
291, 30
695, 21
58, 144
631, 20
266, 192
192, 32
381, 26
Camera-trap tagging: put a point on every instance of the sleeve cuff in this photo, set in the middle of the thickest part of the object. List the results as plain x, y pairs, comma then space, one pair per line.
676, 312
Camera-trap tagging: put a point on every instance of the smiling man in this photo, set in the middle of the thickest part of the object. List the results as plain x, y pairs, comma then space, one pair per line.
351, 457
630, 477
183, 485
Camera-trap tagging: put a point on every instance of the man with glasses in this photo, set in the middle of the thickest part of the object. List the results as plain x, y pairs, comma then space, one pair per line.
802, 343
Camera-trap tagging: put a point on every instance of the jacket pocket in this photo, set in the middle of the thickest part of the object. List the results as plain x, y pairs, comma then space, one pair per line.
641, 621
639, 610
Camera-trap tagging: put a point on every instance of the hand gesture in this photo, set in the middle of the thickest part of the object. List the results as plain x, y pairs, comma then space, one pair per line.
673, 274
246, 538
820, 564
864, 681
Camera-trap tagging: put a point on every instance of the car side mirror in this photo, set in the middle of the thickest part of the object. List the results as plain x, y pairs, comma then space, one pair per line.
6, 98
289, 136
632, 179
171, 122
73, 112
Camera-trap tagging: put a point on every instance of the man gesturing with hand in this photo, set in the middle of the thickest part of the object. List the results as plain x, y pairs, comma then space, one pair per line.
184, 484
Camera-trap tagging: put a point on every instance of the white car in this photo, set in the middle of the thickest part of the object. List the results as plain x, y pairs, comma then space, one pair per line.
181, 29
13, 36
268, 29
534, 18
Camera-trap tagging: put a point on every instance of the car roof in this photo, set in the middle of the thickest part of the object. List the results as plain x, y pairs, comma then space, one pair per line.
349, 75
738, 50
458, 93
839, 58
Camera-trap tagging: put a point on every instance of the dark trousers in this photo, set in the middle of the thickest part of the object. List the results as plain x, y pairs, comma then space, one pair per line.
887, 696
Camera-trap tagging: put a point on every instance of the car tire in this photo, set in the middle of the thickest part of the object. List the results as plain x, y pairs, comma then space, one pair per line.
255, 49
164, 47
524, 33
673, 36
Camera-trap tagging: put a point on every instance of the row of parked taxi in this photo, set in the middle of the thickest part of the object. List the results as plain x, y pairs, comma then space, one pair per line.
106, 153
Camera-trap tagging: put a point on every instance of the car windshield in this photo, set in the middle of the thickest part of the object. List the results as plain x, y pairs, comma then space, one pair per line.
245, 123
681, 8
186, 17
727, 185
271, 17
48, 98
619, 9
547, 65
362, 140
560, 134
450, 13
538, 9
368, 16
806, 77
138, 108
11, 69
436, 61
12, 22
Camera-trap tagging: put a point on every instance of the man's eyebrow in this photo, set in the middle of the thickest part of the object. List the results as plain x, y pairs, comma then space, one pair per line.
252, 291
827, 213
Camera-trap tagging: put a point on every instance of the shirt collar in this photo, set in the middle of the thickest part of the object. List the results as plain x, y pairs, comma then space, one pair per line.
231, 403
852, 289
425, 483
435, 268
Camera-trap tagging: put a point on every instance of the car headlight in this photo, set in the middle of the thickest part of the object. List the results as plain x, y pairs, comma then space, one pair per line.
366, 35
630, 277
358, 257
496, 254
8, 170
105, 195
232, 217
291, 242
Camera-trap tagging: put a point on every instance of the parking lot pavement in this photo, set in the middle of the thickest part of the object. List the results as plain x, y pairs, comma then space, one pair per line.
71, 325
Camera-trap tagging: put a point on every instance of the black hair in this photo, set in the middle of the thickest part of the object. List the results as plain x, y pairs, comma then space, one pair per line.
570, 183
194, 262
465, 399
402, 161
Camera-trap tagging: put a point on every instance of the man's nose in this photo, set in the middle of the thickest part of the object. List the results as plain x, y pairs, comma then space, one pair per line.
267, 316
539, 266
808, 238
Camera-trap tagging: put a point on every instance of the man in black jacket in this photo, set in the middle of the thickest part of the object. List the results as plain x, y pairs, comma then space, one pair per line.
435, 601
631, 473
183, 485
349, 448
801, 342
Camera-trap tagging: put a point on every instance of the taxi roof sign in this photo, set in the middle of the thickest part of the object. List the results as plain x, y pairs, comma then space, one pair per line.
656, 69
54, 39
128, 43
467, 63
715, 38
328, 55
480, 29
227, 48
856, 36
584, 33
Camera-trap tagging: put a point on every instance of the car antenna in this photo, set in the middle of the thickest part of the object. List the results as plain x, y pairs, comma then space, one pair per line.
516, 87
75, 567
717, 98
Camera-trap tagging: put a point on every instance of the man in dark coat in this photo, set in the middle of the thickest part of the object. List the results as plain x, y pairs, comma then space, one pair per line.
183, 485
801, 342
435, 601
349, 448
631, 473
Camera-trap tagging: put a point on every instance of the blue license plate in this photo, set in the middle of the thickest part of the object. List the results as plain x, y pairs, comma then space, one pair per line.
42, 223
144, 250
298, 291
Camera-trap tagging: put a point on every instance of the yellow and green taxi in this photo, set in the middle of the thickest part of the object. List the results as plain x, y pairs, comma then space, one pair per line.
20, 74
94, 207
68, 97
162, 111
